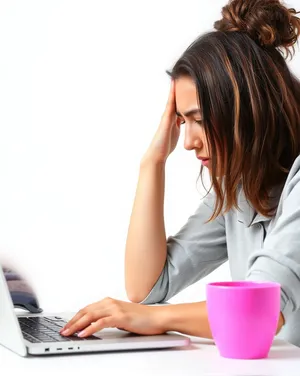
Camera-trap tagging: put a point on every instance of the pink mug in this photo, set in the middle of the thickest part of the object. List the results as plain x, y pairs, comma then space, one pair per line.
243, 317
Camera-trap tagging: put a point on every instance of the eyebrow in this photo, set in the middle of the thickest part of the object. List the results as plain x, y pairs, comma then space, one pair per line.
190, 112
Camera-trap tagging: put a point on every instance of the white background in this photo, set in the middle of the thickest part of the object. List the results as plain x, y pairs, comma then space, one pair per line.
82, 90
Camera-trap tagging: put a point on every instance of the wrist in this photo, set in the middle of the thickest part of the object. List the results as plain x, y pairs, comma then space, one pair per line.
162, 317
152, 160
166, 317
281, 322
188, 318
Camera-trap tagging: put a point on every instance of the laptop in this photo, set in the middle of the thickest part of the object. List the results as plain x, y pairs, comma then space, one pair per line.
29, 333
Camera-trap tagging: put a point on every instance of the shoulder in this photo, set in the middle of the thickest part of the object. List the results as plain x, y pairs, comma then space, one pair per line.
289, 202
293, 179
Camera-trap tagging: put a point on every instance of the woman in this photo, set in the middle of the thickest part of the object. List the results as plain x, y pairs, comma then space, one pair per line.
241, 106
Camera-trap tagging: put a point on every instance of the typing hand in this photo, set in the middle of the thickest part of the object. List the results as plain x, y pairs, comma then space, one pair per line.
111, 313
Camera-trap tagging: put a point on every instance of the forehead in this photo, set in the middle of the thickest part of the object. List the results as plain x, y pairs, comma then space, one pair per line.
185, 94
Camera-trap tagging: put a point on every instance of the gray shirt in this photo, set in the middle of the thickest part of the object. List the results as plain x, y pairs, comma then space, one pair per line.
257, 248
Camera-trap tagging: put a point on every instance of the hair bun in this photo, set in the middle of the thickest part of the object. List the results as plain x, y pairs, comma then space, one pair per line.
268, 22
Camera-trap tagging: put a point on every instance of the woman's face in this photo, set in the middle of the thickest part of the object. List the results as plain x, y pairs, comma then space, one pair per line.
187, 109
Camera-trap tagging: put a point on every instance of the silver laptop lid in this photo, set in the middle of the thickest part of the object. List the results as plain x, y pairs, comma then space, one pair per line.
10, 332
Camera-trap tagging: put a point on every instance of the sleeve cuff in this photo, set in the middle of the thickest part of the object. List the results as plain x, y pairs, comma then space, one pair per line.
261, 272
159, 291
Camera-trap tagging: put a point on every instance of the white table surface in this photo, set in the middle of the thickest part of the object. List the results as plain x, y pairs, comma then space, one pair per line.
200, 358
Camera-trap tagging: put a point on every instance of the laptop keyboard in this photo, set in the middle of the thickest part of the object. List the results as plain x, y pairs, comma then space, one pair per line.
38, 329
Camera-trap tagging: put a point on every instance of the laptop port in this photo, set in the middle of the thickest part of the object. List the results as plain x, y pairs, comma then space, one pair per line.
59, 348
70, 348
47, 349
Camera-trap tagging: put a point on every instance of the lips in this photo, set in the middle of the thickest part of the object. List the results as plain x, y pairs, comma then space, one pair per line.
203, 159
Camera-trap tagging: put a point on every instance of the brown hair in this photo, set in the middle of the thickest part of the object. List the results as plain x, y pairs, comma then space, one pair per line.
249, 99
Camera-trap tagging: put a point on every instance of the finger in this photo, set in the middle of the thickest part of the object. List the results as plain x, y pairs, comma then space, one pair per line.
83, 322
75, 318
81, 313
103, 304
178, 121
105, 322
170, 107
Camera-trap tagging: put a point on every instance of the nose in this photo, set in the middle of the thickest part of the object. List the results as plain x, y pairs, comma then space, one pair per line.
192, 140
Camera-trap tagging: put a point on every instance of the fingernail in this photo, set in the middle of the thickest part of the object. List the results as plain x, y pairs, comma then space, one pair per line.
81, 334
65, 332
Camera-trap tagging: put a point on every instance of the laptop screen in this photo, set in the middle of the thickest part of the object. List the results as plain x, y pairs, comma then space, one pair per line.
21, 293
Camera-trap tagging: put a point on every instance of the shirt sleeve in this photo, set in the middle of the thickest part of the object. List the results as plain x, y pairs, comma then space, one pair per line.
194, 252
279, 259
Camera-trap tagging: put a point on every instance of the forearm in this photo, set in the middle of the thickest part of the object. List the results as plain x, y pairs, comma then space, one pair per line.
146, 248
191, 319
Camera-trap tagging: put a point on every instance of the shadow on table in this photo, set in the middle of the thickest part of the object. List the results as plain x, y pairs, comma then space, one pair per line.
281, 350
285, 354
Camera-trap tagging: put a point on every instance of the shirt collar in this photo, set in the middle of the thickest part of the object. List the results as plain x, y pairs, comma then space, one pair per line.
246, 213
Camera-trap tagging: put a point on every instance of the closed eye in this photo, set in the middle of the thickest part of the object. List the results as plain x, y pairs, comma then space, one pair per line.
200, 122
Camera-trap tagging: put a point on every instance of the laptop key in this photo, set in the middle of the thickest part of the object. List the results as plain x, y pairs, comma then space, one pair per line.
54, 319
60, 324
45, 338
51, 325
49, 332
63, 339
46, 329
30, 331
30, 338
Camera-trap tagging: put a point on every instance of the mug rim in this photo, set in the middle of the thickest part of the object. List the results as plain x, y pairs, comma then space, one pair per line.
243, 284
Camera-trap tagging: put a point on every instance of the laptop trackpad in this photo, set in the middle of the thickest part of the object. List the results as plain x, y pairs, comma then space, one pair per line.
112, 333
